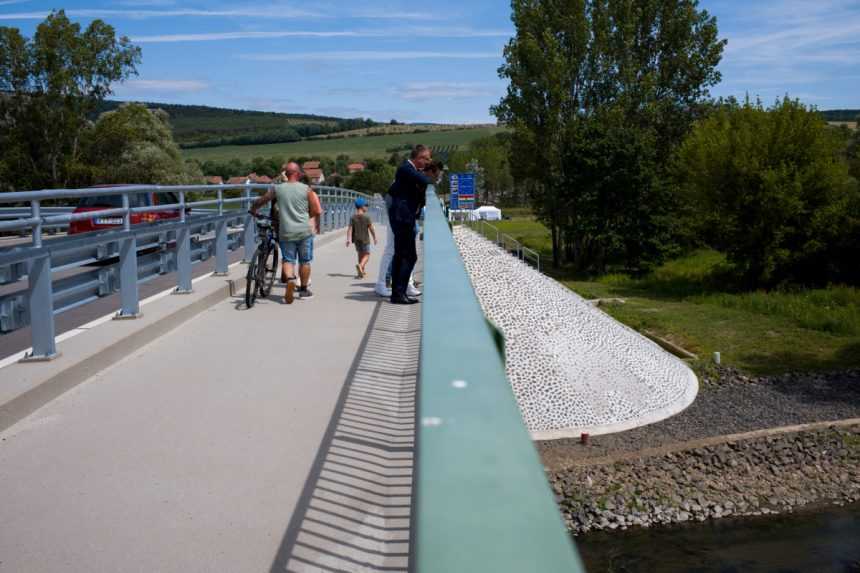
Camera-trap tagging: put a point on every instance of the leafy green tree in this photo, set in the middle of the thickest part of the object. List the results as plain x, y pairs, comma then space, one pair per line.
854, 151
268, 166
770, 188
341, 165
50, 84
134, 145
375, 178
587, 66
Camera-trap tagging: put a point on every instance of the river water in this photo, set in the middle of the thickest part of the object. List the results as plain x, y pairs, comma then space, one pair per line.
806, 542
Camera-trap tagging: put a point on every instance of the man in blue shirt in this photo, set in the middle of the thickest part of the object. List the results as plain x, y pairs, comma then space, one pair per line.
407, 198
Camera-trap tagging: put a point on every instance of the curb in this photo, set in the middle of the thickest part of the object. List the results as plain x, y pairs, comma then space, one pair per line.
56, 384
51, 380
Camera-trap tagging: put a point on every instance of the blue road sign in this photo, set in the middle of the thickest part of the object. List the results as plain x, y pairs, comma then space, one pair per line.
462, 190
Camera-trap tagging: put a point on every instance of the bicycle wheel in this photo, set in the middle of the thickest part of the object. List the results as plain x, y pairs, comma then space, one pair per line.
268, 266
251, 286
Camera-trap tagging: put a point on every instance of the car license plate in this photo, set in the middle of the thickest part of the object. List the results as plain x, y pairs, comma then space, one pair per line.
109, 221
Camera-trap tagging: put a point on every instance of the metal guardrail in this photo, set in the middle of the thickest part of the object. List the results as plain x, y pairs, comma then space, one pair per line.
12, 213
59, 271
506, 241
483, 502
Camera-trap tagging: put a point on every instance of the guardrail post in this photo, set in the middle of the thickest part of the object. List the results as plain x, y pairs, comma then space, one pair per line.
128, 292
250, 234
183, 251
337, 207
41, 311
36, 213
220, 240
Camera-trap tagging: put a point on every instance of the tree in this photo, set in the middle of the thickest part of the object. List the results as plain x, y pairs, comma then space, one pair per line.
134, 144
590, 66
854, 151
375, 178
770, 187
51, 84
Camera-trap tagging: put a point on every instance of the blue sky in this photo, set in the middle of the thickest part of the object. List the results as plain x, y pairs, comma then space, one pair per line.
424, 62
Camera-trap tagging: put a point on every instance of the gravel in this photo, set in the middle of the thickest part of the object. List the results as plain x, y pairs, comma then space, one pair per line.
729, 402
752, 477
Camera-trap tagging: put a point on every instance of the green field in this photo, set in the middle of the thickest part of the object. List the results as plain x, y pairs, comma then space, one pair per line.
682, 301
355, 147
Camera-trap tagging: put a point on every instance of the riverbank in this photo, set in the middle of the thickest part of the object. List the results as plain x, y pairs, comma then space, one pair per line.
718, 458
729, 402
759, 476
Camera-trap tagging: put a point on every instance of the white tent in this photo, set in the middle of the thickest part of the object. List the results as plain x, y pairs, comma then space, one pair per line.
488, 213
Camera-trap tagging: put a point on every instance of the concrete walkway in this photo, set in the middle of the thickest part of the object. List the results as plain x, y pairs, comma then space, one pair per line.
208, 449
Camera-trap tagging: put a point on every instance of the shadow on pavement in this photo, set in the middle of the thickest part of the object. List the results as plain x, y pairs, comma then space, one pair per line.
354, 512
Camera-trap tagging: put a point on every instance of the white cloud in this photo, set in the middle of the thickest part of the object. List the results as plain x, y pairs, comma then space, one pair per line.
370, 56
24, 16
418, 91
10, 2
279, 13
266, 12
258, 35
250, 35
164, 86
795, 44
139, 3
789, 32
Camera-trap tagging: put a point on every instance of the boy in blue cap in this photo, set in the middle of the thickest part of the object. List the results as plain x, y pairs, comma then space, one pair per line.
360, 231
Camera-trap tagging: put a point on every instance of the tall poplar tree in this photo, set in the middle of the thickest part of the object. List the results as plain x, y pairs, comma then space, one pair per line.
601, 92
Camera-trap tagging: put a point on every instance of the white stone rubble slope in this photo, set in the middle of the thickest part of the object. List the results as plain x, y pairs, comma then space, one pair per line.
573, 368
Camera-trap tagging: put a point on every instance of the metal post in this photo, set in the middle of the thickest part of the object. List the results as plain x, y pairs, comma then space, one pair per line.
250, 229
326, 214
128, 292
36, 213
221, 240
183, 251
41, 311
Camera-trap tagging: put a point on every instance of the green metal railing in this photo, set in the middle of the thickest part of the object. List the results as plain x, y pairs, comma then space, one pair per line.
505, 241
482, 498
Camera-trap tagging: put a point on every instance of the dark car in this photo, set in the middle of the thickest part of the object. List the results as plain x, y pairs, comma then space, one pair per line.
102, 202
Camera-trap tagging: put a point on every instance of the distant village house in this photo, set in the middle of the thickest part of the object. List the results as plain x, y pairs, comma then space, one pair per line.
314, 172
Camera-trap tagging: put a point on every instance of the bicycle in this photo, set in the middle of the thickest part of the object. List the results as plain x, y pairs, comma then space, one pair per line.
264, 264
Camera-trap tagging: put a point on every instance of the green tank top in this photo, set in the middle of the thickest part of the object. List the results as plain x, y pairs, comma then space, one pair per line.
293, 211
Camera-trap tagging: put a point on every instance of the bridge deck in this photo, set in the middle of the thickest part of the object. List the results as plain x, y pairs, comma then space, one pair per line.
245, 440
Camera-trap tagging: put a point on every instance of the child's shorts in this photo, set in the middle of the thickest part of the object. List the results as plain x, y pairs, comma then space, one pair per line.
362, 247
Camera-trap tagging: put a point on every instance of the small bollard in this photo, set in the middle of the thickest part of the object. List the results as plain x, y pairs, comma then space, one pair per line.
583, 439
717, 358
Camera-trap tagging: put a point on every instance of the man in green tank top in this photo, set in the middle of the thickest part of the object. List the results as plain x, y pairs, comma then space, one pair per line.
299, 213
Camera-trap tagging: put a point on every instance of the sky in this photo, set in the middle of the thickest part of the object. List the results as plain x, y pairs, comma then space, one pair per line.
434, 62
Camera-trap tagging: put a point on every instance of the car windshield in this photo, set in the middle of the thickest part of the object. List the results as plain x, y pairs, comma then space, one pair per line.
114, 201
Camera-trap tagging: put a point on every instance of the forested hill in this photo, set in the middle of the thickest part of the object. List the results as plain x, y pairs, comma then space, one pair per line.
841, 114
202, 126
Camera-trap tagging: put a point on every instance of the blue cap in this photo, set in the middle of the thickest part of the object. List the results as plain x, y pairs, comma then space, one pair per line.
360, 202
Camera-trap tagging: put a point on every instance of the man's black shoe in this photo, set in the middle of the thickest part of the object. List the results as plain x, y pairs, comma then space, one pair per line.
403, 300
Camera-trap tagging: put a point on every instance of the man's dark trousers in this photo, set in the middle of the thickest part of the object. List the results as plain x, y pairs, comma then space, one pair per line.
405, 256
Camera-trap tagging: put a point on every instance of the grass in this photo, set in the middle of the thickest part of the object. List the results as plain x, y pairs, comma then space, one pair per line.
399, 129
355, 147
685, 302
